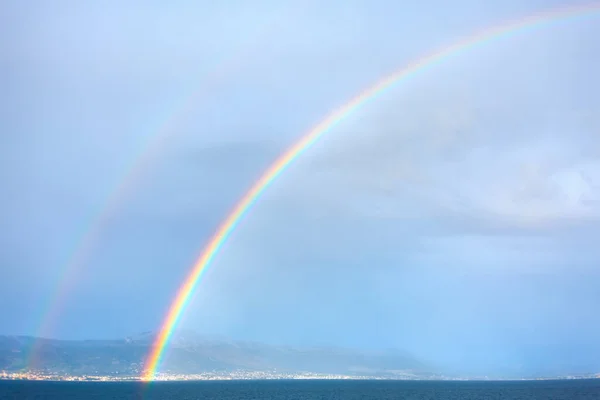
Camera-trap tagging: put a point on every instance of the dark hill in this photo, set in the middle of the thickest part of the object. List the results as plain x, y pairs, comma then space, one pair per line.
190, 353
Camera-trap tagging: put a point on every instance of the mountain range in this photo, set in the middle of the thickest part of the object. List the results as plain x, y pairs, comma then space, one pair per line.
191, 353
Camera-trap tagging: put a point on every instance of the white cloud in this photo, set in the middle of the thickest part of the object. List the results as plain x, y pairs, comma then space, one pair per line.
512, 147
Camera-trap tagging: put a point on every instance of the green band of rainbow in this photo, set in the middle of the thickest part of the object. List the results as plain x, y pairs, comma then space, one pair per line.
279, 166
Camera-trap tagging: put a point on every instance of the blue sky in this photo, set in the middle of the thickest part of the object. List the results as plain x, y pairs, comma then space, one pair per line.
454, 217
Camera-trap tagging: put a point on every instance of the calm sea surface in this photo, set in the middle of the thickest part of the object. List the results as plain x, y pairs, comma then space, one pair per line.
301, 390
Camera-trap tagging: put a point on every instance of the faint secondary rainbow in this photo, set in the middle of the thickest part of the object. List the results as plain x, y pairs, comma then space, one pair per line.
186, 291
94, 227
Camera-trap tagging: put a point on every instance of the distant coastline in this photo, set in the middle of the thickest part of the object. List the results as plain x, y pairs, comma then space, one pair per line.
194, 357
254, 376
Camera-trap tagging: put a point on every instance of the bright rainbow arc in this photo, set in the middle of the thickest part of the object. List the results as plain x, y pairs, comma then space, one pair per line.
284, 161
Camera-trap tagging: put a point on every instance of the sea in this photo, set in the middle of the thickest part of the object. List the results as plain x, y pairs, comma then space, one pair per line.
304, 390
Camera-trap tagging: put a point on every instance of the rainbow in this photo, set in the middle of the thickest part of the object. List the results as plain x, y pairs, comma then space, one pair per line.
284, 161
93, 228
